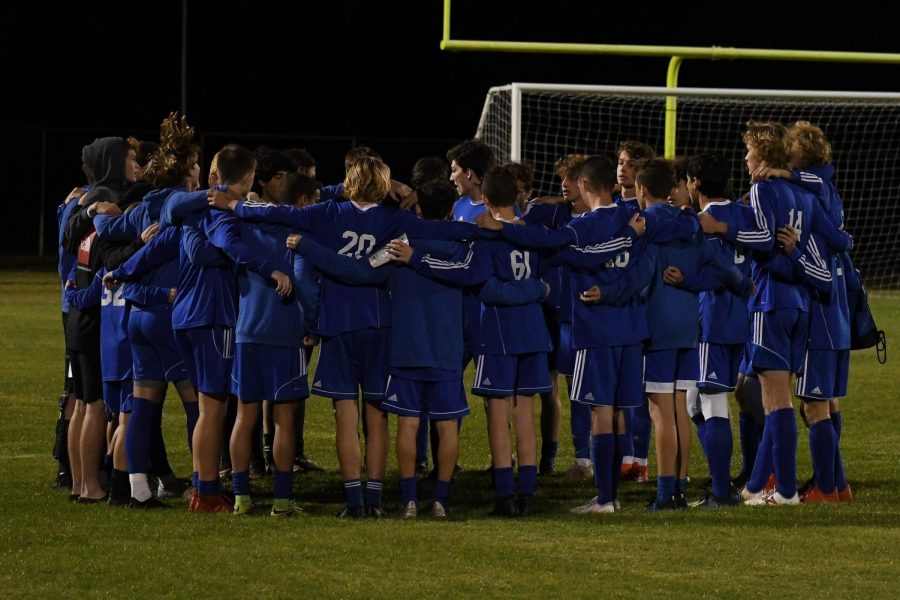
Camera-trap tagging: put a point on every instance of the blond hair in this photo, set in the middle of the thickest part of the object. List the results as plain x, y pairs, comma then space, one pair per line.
568, 166
368, 180
769, 141
807, 145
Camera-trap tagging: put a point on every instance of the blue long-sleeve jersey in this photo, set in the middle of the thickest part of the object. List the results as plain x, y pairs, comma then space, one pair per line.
66, 258
553, 216
264, 317
115, 349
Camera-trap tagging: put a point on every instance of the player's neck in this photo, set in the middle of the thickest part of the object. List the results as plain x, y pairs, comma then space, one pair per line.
648, 201
706, 201
476, 195
629, 193
503, 213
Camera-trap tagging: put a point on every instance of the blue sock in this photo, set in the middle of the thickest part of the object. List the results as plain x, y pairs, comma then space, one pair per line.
681, 485
581, 429
625, 445
209, 488
665, 487
703, 436
422, 440
107, 463
718, 455
840, 477
527, 479
822, 446
240, 483
373, 492
284, 484
192, 413
442, 492
617, 461
353, 489
159, 458
641, 427
762, 466
784, 451
503, 482
408, 490
137, 439
604, 450
749, 440
195, 480
549, 450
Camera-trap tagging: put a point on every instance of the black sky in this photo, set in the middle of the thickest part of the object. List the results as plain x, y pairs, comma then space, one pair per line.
371, 71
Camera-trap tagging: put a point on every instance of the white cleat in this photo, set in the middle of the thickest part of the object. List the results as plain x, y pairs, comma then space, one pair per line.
774, 499
411, 510
594, 507
438, 511
747, 496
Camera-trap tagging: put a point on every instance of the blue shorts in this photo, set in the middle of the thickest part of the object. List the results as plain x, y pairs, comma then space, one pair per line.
208, 354
563, 355
118, 395
154, 351
746, 369
413, 397
609, 376
274, 373
668, 370
779, 340
501, 376
719, 366
825, 374
350, 361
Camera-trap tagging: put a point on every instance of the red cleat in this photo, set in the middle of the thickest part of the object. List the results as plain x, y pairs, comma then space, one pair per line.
626, 469
817, 496
211, 504
195, 496
770, 486
846, 494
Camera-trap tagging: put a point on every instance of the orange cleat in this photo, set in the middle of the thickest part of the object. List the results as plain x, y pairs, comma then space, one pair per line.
770, 485
817, 496
637, 473
195, 496
626, 469
846, 494
213, 503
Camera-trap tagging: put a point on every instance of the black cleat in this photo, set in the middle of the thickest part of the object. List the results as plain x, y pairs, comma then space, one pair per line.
680, 501
526, 505
175, 488
63, 482
547, 467
713, 502
741, 480
352, 512
376, 512
118, 499
148, 504
86, 500
806, 486
505, 507
656, 506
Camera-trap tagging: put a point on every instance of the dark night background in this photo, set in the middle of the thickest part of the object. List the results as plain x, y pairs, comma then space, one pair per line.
328, 75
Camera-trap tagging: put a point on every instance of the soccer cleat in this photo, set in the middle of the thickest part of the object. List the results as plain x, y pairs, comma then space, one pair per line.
86, 500
846, 494
741, 480
211, 503
411, 510
195, 497
352, 512
626, 469
816, 496
547, 468
637, 473
581, 471
242, 508
770, 485
291, 511
656, 506
304, 464
174, 489
774, 499
594, 507
376, 512
680, 501
712, 502
505, 507
806, 486
148, 504
63, 482
439, 511
526, 505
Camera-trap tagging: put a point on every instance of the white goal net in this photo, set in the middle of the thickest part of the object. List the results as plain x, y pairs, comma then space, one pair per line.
539, 123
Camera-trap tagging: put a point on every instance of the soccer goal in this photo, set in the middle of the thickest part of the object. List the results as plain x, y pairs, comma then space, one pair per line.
539, 123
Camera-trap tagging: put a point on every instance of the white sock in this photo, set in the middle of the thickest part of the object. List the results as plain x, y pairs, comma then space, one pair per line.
641, 462
627, 460
583, 462
139, 488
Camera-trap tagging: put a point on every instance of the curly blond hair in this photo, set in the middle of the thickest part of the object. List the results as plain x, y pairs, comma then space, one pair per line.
769, 141
367, 180
569, 166
807, 145
172, 162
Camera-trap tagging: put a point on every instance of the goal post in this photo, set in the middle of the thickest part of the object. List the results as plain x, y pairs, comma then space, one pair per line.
539, 123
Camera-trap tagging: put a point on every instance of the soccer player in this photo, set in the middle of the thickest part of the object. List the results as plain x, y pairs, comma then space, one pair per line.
113, 166
725, 325
469, 161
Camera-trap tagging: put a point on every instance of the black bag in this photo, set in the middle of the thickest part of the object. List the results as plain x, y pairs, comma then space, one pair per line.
864, 333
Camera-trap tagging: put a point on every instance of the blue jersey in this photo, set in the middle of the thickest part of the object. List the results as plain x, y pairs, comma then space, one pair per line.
465, 209
264, 317
724, 317
351, 230
553, 216
207, 293
115, 350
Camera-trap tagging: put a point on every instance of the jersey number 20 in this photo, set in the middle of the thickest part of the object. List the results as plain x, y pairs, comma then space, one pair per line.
359, 245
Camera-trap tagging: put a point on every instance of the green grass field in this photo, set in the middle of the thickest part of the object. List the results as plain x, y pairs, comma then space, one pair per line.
49, 547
